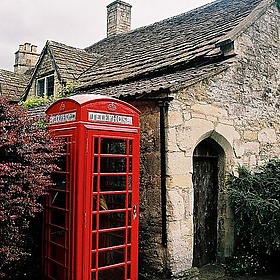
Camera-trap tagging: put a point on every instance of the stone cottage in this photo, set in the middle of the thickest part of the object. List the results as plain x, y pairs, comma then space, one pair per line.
207, 85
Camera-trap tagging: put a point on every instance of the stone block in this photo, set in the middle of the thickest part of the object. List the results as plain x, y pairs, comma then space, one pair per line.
229, 132
176, 163
252, 147
184, 181
192, 133
175, 205
209, 110
238, 147
267, 135
172, 145
250, 135
175, 118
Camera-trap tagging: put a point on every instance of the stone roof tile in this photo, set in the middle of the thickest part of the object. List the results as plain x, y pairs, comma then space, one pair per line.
71, 61
168, 81
13, 84
166, 44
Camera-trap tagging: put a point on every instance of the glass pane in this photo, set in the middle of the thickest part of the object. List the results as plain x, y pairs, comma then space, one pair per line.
115, 201
96, 145
113, 165
130, 147
57, 253
93, 240
128, 236
112, 220
111, 257
129, 218
130, 165
110, 239
113, 183
58, 199
58, 217
102, 202
93, 275
129, 200
94, 222
130, 182
57, 271
59, 179
113, 146
128, 272
128, 254
41, 87
58, 235
61, 163
93, 261
118, 272
95, 165
50, 85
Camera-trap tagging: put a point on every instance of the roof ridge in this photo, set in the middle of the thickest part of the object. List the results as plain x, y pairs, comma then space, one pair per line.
153, 24
55, 43
245, 23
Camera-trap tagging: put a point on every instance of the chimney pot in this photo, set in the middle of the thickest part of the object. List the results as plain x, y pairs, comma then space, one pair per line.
118, 18
25, 58
33, 49
27, 47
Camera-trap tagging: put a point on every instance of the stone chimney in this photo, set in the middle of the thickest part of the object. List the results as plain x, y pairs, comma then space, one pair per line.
25, 58
118, 18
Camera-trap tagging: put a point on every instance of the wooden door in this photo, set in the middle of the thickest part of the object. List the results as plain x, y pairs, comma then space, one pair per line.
205, 181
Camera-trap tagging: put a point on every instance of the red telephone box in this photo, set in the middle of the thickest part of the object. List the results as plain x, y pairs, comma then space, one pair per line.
91, 212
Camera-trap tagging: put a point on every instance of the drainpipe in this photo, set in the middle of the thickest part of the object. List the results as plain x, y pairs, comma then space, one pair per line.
163, 105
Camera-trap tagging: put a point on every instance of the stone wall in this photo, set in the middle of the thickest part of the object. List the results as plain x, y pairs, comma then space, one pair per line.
151, 251
239, 109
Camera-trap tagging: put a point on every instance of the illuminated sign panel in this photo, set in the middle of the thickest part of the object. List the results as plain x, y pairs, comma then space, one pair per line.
102, 117
68, 117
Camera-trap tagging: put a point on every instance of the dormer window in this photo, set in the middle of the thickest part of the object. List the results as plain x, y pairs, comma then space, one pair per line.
45, 86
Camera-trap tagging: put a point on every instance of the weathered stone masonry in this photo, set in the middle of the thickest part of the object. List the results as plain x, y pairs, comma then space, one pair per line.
239, 109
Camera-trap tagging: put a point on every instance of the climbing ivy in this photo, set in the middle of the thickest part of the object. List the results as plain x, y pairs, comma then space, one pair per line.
68, 89
35, 101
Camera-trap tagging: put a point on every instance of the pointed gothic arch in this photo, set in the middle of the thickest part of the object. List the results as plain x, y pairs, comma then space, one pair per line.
210, 158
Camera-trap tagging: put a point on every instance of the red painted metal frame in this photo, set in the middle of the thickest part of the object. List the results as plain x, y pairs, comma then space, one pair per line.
103, 171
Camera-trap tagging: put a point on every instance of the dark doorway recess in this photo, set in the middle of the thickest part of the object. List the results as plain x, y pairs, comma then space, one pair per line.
205, 182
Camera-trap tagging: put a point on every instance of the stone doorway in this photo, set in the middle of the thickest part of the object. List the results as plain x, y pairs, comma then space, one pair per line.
206, 171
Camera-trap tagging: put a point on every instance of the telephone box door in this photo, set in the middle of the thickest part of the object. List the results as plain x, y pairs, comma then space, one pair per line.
113, 205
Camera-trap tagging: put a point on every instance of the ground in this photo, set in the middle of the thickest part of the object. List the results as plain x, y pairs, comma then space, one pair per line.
213, 272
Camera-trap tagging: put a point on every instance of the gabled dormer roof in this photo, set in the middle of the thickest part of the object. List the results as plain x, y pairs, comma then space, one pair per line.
68, 62
186, 40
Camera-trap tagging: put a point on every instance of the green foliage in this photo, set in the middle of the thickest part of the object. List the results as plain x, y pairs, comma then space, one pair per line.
68, 89
255, 197
244, 263
42, 124
35, 101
